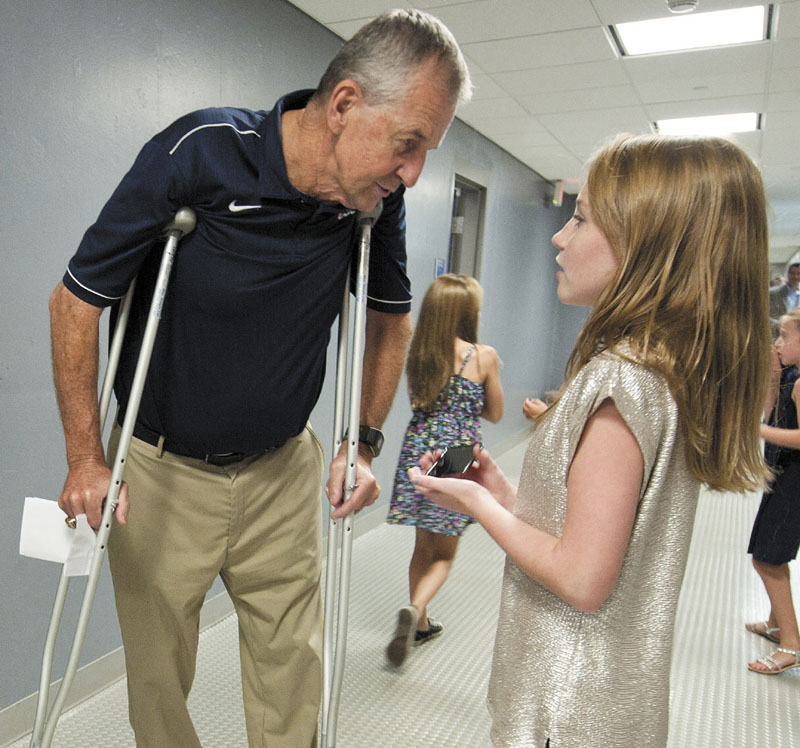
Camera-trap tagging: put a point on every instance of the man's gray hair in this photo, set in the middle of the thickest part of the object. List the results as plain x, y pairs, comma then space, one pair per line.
385, 51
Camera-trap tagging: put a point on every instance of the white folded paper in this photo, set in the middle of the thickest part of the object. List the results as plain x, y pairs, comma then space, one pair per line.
46, 536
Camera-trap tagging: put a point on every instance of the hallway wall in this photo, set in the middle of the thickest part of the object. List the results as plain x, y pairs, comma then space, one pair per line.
84, 84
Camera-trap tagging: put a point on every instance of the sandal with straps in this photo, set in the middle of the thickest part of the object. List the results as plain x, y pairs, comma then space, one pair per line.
762, 628
773, 668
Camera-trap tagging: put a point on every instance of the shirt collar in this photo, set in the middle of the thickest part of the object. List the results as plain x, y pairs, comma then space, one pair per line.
273, 181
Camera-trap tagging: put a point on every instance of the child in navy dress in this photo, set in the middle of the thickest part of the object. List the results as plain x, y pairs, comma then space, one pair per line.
453, 381
776, 531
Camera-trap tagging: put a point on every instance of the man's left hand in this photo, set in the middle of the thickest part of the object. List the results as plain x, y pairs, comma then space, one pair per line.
366, 489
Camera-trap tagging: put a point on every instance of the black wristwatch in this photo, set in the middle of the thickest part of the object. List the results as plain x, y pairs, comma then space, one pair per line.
373, 438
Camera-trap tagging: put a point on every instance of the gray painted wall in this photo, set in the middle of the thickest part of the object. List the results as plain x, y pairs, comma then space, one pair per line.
83, 85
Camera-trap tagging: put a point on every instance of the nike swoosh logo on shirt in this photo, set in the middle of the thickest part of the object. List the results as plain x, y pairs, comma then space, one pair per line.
234, 208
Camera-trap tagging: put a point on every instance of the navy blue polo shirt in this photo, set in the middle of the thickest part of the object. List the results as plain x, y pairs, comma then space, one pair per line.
239, 359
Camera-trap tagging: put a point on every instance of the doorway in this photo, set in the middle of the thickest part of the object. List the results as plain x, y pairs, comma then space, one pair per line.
469, 202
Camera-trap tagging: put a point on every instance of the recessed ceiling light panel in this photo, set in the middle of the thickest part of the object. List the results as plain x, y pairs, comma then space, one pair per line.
718, 124
671, 34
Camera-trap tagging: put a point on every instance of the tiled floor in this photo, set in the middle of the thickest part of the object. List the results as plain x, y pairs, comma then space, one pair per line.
437, 699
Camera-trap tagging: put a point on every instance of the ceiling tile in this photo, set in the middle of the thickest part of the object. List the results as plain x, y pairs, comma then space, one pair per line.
327, 12
562, 77
523, 141
504, 107
701, 74
785, 80
783, 120
544, 50
784, 182
788, 20
701, 87
717, 61
347, 10
579, 130
485, 87
346, 29
703, 107
785, 101
552, 162
473, 65
778, 144
494, 126
584, 99
786, 53
752, 142
490, 19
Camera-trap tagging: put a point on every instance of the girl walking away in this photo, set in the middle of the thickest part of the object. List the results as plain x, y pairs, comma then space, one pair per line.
776, 531
453, 381
664, 391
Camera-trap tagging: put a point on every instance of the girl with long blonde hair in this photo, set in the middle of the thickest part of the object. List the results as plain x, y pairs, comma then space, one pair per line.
453, 381
663, 393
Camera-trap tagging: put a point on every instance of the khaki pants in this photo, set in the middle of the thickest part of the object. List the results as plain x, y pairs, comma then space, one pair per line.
257, 525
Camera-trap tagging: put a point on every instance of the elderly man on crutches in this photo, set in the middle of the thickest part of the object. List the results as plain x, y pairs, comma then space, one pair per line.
223, 471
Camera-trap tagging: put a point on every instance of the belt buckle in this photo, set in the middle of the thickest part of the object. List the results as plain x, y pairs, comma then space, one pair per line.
225, 458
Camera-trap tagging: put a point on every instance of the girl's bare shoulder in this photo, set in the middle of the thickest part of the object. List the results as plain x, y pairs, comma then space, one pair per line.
487, 352
487, 359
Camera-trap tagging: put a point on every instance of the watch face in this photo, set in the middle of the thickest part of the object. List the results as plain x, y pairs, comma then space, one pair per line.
373, 438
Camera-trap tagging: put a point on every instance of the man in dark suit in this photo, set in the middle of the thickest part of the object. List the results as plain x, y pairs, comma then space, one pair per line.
784, 298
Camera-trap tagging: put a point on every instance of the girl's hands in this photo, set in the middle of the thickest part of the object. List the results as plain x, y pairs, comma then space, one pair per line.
459, 493
487, 473
775, 362
533, 407
454, 493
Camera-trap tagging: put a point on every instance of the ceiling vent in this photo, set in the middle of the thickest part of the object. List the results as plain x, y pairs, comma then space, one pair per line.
681, 6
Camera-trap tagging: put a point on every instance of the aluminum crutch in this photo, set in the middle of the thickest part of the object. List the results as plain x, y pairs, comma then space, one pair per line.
43, 730
334, 654
63, 584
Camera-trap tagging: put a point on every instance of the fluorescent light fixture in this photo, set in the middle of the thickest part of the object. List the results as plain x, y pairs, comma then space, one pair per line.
715, 29
718, 124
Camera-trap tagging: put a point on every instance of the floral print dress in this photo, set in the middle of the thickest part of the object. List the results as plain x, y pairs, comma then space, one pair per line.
452, 423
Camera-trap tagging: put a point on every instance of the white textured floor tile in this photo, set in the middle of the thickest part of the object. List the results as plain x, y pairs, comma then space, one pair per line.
437, 699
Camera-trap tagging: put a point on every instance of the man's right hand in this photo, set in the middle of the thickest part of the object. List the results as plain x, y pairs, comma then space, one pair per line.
85, 491
75, 338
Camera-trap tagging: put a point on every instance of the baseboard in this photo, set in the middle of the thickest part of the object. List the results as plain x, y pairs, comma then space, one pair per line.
16, 720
